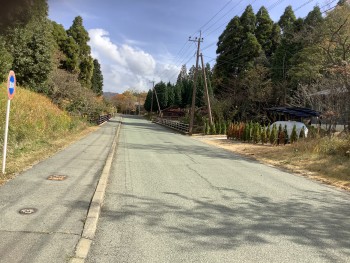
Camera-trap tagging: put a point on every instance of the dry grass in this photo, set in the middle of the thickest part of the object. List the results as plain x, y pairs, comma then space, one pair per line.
326, 160
37, 129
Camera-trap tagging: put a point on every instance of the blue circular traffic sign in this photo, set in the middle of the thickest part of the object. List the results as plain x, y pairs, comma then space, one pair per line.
11, 85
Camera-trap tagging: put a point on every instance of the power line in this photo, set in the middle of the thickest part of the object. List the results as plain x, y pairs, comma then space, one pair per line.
211, 19
223, 16
300, 7
275, 4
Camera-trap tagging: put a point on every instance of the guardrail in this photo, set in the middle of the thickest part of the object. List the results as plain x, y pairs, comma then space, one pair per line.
176, 125
99, 119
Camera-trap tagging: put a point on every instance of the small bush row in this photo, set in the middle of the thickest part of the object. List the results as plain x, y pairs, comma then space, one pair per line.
256, 133
219, 127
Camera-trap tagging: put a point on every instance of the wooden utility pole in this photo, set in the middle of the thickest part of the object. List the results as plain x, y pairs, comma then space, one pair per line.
206, 93
199, 40
155, 92
152, 98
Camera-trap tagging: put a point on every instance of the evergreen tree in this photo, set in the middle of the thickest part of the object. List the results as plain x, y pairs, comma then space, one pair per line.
18, 13
81, 37
294, 135
286, 137
171, 94
279, 134
71, 49
268, 132
31, 48
213, 129
273, 135
248, 20
263, 135
207, 130
287, 21
256, 132
148, 101
162, 94
224, 128
228, 46
97, 78
6, 60
263, 32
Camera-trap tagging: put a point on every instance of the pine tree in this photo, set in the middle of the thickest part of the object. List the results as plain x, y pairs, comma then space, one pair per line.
263, 32
286, 137
268, 131
97, 78
279, 134
207, 131
81, 38
213, 129
294, 135
256, 132
148, 101
224, 128
273, 135
263, 135
162, 94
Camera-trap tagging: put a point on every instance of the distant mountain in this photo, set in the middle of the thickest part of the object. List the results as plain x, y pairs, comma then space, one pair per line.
109, 95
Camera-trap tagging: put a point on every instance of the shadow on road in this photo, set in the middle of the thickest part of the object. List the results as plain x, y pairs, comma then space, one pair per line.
207, 224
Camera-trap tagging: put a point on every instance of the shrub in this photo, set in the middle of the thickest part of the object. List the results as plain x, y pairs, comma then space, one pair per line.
207, 128
294, 135
224, 128
273, 135
212, 129
268, 132
302, 133
256, 132
263, 135
285, 133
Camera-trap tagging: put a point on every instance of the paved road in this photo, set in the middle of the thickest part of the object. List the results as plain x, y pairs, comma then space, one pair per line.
174, 199
51, 234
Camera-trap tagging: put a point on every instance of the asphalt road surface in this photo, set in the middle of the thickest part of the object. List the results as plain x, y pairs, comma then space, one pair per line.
51, 234
172, 198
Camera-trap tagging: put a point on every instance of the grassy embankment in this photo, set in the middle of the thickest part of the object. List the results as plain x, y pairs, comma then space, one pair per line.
37, 129
324, 159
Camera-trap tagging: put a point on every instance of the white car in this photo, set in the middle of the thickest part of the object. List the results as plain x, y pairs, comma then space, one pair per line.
290, 125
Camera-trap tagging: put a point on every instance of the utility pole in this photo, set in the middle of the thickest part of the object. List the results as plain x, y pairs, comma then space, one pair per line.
198, 40
206, 93
152, 100
155, 92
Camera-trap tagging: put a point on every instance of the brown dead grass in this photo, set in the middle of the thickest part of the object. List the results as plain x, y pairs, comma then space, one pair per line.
332, 170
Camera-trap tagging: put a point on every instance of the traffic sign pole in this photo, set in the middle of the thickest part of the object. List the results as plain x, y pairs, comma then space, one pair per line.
6, 135
11, 90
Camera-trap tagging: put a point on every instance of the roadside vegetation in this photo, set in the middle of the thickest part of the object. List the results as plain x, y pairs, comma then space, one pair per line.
326, 159
263, 64
59, 84
37, 129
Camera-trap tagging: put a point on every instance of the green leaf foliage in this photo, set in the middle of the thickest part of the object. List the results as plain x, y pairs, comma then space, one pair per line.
97, 78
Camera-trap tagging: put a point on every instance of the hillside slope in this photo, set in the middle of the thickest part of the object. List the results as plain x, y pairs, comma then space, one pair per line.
37, 129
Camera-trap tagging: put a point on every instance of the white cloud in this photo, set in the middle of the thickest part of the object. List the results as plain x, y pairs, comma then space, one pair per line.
125, 66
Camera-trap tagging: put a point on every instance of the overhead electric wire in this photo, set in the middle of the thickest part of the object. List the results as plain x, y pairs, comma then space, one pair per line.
211, 19
224, 15
225, 22
300, 7
275, 4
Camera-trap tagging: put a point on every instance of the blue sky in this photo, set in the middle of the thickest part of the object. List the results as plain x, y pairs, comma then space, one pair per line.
137, 41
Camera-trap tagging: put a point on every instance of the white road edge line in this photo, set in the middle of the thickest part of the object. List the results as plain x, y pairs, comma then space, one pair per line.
90, 226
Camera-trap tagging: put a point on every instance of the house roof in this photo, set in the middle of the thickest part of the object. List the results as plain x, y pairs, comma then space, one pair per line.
295, 111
